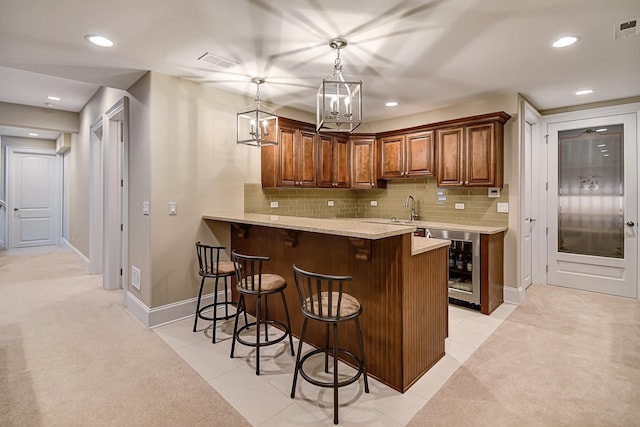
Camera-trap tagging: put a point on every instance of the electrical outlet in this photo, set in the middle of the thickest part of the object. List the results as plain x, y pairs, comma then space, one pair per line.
459, 205
329, 202
503, 207
273, 204
374, 203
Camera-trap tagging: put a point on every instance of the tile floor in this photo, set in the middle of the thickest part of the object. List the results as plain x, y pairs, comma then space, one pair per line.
265, 400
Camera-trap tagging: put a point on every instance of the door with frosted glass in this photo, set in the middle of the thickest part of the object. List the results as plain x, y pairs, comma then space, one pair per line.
593, 205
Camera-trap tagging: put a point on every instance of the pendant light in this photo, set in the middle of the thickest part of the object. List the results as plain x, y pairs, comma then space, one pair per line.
339, 101
257, 123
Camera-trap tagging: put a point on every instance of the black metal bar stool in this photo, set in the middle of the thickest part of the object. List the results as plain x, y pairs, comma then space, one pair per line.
212, 268
252, 281
322, 299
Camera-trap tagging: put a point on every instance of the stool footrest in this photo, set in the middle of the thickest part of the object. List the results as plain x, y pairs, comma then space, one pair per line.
330, 384
210, 306
278, 325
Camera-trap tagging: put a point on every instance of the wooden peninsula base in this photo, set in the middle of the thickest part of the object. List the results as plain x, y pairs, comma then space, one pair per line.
403, 291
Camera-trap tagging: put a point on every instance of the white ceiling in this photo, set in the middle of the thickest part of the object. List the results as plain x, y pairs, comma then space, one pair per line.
424, 54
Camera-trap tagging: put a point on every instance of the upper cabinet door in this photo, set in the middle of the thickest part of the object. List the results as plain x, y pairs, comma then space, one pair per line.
420, 152
325, 161
363, 164
450, 157
341, 161
306, 159
286, 163
482, 156
392, 152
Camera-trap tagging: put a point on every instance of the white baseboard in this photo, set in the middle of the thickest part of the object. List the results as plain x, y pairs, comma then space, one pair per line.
81, 257
152, 317
513, 295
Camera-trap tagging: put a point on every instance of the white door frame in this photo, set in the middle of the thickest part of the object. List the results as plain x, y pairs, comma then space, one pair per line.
108, 244
595, 113
9, 155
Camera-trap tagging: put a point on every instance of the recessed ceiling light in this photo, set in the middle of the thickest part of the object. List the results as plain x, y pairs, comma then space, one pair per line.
98, 40
584, 92
33, 134
391, 104
565, 41
53, 98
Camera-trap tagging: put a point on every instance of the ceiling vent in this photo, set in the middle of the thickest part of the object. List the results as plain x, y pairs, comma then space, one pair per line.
627, 29
218, 61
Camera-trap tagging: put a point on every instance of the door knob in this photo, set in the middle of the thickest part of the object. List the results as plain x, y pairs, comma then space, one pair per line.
630, 223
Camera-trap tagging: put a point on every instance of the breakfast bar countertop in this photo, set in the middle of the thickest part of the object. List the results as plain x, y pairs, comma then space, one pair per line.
339, 227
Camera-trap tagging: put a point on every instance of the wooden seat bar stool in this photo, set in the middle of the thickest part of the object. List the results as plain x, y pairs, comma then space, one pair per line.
252, 281
322, 299
210, 267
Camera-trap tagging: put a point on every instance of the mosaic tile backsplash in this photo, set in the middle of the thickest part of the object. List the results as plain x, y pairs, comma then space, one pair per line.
432, 203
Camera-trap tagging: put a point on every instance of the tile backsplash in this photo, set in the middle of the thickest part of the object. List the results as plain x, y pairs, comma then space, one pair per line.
432, 203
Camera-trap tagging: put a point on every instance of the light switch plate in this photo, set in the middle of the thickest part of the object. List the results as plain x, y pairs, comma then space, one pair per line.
273, 204
459, 205
329, 202
503, 207
374, 203
145, 208
173, 208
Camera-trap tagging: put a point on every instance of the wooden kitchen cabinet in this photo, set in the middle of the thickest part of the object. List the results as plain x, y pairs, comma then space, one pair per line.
471, 153
334, 161
293, 162
407, 155
363, 162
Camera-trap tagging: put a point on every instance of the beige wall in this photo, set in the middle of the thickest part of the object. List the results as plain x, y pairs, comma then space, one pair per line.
139, 185
195, 162
78, 166
39, 118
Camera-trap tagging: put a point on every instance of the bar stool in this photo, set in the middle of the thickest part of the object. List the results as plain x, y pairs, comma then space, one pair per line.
212, 268
322, 299
253, 282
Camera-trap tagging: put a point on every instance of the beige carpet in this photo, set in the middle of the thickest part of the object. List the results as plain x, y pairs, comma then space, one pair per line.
563, 358
72, 355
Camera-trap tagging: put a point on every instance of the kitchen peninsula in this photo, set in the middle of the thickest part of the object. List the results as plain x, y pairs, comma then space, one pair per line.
400, 280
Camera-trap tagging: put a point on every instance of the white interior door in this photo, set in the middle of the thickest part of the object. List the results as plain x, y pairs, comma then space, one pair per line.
592, 199
34, 197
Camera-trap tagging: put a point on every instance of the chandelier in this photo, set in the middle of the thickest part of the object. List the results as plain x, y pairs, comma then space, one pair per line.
257, 123
339, 101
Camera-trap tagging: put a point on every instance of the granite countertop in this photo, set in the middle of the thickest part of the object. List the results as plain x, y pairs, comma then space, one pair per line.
340, 227
482, 229
424, 244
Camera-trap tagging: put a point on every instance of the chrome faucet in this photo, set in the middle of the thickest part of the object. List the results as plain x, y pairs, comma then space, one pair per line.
414, 215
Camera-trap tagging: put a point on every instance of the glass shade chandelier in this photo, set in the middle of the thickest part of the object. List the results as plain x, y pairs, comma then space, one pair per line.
257, 123
339, 101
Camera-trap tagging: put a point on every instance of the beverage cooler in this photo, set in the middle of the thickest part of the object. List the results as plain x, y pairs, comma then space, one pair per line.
464, 266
